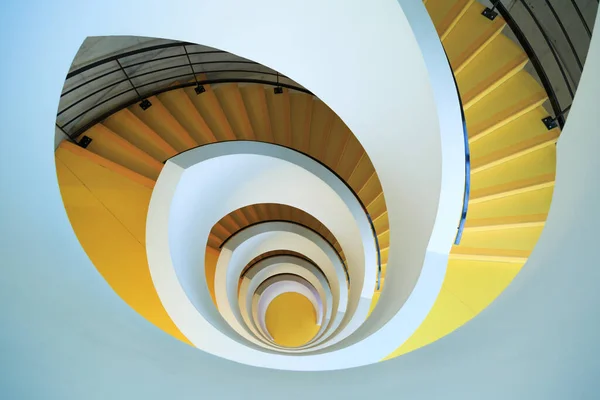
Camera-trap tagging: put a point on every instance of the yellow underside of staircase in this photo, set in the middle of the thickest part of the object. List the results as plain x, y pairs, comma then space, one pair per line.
513, 162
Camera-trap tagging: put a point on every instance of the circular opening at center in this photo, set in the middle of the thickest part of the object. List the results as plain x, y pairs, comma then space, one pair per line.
291, 320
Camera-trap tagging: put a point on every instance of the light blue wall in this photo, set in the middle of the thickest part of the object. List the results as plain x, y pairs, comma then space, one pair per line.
65, 335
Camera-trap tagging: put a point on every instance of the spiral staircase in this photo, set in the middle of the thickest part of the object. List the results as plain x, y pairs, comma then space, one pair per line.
248, 220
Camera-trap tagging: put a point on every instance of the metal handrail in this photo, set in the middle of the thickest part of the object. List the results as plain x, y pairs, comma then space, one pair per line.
211, 68
559, 59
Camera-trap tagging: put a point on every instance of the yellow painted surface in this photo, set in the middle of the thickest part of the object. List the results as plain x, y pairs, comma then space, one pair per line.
181, 107
211, 111
301, 115
159, 119
451, 18
523, 128
279, 114
468, 288
232, 102
517, 239
504, 103
291, 320
107, 212
470, 35
513, 152
111, 146
481, 76
447, 314
514, 161
125, 124
103, 162
478, 283
538, 163
512, 188
321, 124
537, 202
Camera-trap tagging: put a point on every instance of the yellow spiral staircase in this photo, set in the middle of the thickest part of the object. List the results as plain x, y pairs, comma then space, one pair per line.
106, 186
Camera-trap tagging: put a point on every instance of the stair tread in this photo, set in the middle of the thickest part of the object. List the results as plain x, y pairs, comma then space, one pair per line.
470, 35
513, 221
160, 120
182, 108
527, 203
520, 130
210, 109
499, 255
104, 162
279, 115
517, 239
439, 11
512, 188
459, 8
257, 111
125, 124
233, 106
538, 163
505, 103
508, 154
111, 146
497, 61
301, 115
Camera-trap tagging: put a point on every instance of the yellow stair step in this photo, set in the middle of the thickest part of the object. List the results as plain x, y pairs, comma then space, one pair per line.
160, 120
538, 163
362, 172
509, 222
443, 12
210, 109
213, 241
106, 163
111, 146
494, 255
495, 64
381, 223
384, 239
321, 124
451, 19
522, 129
509, 101
182, 108
125, 124
523, 238
351, 155
512, 152
511, 189
370, 189
301, 115
338, 135
471, 34
234, 108
384, 255
220, 232
376, 207
255, 101
522, 204
279, 115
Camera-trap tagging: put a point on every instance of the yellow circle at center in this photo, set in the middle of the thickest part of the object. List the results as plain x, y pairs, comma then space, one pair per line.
291, 320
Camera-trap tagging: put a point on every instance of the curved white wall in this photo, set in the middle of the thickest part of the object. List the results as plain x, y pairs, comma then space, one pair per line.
537, 341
